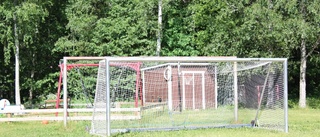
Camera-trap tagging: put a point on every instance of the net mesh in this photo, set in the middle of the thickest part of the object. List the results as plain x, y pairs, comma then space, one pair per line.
99, 120
176, 95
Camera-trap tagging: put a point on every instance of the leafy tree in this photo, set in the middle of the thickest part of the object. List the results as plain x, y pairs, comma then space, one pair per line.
178, 29
29, 25
260, 29
46, 30
118, 28
301, 31
108, 28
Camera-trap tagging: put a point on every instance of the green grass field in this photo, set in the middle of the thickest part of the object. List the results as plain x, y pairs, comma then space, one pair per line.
302, 123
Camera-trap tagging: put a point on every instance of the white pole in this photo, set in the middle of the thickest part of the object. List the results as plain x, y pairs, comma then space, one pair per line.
235, 82
170, 88
85, 58
107, 96
194, 59
65, 92
215, 87
193, 93
285, 94
183, 92
203, 93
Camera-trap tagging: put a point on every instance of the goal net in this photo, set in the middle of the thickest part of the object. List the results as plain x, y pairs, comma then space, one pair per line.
173, 93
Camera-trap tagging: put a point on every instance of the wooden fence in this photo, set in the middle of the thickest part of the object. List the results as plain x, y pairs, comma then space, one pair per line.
42, 114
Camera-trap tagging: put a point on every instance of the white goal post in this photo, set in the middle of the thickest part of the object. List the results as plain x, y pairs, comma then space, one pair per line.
172, 93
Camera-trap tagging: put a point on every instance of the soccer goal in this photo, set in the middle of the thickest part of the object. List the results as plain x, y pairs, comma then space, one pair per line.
173, 93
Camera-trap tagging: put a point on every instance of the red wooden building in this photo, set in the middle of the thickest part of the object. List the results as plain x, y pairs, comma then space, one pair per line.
192, 88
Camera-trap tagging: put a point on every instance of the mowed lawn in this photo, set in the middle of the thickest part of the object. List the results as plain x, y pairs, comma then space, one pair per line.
302, 123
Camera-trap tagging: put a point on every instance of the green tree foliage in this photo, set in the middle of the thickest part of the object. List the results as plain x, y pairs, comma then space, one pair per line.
261, 29
37, 30
109, 28
177, 29
213, 25
50, 29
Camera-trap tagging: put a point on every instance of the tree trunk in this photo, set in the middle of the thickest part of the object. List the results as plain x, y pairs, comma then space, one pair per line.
32, 80
303, 67
159, 28
17, 68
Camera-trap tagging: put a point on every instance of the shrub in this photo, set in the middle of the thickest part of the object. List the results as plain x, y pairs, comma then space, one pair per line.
293, 103
313, 103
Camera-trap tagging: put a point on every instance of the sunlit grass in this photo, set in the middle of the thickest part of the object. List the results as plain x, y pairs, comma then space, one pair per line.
37, 129
302, 123
162, 118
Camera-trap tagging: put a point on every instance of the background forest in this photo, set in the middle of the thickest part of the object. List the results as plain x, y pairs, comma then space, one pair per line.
38, 33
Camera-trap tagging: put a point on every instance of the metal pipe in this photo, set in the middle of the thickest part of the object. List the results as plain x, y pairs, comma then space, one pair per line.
235, 84
285, 98
215, 87
65, 92
193, 59
107, 96
85, 58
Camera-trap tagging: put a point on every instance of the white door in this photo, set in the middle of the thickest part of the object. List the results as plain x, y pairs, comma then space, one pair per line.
193, 90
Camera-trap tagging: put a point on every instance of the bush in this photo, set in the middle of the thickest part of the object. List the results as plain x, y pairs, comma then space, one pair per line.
292, 103
313, 103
